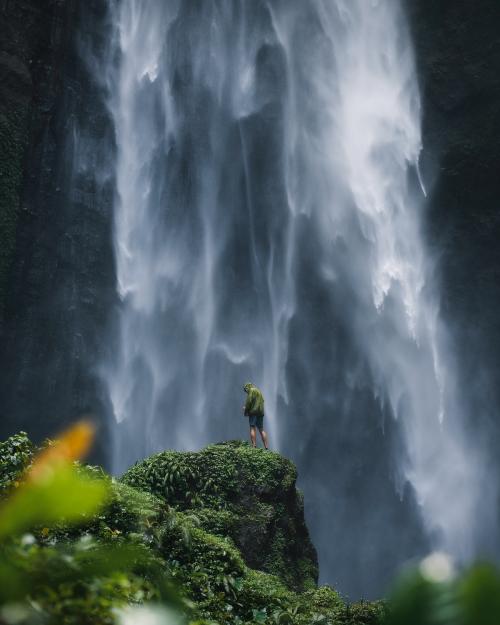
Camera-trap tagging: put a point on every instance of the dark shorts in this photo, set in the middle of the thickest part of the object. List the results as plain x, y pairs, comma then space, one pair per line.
257, 422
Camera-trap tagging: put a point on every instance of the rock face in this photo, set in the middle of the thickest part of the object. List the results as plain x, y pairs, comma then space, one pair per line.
56, 262
25, 35
458, 55
245, 494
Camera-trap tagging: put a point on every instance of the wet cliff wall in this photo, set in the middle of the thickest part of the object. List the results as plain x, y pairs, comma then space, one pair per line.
56, 268
458, 55
31, 34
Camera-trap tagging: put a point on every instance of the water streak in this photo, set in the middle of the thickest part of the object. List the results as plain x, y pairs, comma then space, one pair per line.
268, 209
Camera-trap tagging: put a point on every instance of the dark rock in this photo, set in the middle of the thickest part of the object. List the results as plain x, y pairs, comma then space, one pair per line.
458, 57
56, 259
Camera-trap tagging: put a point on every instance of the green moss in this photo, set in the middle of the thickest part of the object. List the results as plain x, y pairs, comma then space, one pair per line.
199, 550
208, 568
13, 135
202, 541
245, 494
128, 511
261, 590
364, 613
323, 599
16, 454
268, 471
219, 522
306, 571
91, 603
214, 475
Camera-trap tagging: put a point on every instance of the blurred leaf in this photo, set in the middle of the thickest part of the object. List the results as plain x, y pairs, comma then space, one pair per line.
148, 615
24, 571
479, 595
413, 602
259, 616
62, 495
72, 445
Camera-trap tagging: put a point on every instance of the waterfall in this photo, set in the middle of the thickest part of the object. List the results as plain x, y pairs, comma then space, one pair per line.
203, 309
367, 195
268, 227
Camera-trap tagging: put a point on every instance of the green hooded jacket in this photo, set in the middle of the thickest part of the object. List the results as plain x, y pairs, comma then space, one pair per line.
254, 405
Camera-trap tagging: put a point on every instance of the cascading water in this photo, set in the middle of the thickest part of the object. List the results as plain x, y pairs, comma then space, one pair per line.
365, 166
268, 228
202, 305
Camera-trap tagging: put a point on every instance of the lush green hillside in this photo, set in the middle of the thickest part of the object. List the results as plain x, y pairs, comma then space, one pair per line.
219, 535
183, 539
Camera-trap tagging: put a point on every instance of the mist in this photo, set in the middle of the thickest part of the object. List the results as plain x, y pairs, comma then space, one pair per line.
269, 220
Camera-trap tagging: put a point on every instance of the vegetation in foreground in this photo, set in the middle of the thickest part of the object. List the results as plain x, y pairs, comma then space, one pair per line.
216, 536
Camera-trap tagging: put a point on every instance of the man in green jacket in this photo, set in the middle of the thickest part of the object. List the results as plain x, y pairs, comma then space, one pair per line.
254, 410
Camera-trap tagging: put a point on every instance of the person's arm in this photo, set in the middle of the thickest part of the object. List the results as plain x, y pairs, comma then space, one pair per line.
248, 404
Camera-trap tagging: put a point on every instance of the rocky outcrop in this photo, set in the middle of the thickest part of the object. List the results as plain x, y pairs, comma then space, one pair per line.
246, 494
178, 547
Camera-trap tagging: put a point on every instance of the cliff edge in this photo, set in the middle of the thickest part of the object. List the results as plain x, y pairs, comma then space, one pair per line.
244, 494
219, 533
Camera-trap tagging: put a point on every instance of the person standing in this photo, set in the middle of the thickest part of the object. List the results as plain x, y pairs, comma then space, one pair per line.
254, 410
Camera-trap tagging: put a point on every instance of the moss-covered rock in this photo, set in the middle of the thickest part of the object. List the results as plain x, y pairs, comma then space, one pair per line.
246, 494
142, 548
15, 454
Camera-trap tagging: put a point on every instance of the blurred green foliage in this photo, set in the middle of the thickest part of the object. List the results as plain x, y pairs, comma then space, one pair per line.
60, 561
78, 547
470, 598
65, 494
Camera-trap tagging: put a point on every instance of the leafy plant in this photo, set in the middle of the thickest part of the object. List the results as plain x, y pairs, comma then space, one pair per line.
15, 455
52, 570
422, 597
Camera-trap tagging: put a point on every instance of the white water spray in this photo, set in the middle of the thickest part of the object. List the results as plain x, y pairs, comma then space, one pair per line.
250, 137
369, 149
182, 95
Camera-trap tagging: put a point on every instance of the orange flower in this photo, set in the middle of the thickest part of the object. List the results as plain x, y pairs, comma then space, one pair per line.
72, 445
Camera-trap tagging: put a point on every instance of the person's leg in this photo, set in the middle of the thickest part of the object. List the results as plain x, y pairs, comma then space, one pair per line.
253, 436
263, 436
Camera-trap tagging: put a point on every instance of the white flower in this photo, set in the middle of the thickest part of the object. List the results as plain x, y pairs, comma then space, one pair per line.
437, 567
27, 540
14, 613
147, 615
